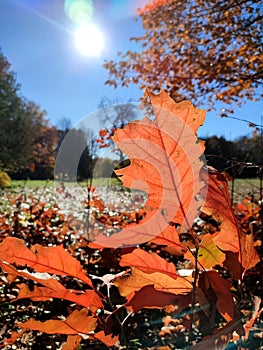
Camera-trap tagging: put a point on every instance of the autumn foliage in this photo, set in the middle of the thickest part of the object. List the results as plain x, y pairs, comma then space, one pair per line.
204, 51
176, 271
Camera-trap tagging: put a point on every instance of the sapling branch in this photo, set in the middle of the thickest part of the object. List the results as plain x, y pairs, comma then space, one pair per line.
193, 299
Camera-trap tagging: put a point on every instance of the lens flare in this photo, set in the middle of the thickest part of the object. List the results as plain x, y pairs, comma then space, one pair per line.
79, 11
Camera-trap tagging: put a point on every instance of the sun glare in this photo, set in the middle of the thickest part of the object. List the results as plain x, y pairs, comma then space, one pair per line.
89, 39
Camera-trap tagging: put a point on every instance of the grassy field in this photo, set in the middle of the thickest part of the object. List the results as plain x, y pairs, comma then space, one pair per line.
52, 183
244, 187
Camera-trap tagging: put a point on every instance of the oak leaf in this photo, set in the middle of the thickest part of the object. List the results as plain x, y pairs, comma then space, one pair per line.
218, 290
208, 253
170, 239
53, 260
72, 343
249, 255
148, 297
14, 337
218, 205
43, 278
88, 299
148, 263
76, 323
108, 340
164, 156
229, 238
160, 281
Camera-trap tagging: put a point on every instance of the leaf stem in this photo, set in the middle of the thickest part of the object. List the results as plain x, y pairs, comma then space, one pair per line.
193, 300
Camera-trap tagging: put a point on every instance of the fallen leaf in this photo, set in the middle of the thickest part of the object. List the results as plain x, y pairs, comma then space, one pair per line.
72, 343
108, 340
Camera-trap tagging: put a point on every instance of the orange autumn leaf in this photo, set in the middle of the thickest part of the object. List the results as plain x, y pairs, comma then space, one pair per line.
164, 156
88, 299
148, 263
217, 288
169, 238
14, 336
108, 340
72, 343
148, 297
160, 281
229, 238
151, 6
208, 253
249, 255
103, 132
218, 205
76, 323
43, 279
53, 260
97, 203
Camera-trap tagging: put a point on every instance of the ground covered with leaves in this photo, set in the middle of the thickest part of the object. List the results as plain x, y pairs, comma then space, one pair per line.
113, 268
35, 217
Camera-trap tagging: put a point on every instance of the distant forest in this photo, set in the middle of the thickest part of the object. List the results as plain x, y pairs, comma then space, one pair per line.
240, 158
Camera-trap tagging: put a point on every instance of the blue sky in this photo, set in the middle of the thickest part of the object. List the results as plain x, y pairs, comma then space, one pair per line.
37, 38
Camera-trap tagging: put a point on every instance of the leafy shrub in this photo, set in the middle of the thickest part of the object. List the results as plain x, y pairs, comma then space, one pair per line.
4, 179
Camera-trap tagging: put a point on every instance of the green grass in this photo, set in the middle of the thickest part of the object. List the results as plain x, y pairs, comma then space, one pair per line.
244, 187
31, 183
43, 183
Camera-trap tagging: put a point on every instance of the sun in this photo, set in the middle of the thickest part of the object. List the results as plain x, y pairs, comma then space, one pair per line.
89, 39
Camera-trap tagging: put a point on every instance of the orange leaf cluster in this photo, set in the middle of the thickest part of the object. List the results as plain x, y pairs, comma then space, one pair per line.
166, 159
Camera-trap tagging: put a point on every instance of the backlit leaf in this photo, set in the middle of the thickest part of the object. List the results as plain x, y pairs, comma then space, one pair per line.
169, 238
208, 253
218, 290
72, 342
88, 299
218, 205
148, 263
43, 259
229, 238
76, 323
165, 162
149, 297
37, 277
160, 281
108, 340
249, 255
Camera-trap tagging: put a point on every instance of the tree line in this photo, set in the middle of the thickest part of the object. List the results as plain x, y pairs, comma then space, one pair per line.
239, 158
29, 143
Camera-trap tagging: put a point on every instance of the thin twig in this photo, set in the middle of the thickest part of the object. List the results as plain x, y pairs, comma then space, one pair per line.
196, 270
